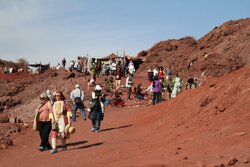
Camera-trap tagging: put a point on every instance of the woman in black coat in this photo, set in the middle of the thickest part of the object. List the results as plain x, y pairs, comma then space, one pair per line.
96, 114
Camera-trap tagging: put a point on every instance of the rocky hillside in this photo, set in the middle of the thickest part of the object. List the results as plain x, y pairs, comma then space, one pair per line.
225, 49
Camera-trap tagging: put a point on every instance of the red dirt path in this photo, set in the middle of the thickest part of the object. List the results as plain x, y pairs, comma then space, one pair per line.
207, 126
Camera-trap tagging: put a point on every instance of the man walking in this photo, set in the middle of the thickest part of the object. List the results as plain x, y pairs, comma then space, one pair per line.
77, 96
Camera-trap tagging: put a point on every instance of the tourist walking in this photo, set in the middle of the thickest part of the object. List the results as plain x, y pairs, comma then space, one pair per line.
77, 97
44, 123
60, 117
96, 113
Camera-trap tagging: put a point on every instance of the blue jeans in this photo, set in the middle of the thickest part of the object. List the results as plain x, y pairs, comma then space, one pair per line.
81, 108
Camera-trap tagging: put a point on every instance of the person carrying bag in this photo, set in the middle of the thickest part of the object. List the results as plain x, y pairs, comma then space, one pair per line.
42, 122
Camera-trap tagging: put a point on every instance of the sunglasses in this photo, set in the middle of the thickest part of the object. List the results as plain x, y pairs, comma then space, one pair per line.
42, 98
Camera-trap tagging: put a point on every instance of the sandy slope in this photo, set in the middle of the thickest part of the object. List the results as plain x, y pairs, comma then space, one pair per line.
207, 126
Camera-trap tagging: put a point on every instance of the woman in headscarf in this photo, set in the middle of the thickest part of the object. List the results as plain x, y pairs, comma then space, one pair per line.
96, 113
156, 89
177, 85
44, 122
60, 117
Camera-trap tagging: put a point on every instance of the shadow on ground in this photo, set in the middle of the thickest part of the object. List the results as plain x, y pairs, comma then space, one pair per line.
120, 127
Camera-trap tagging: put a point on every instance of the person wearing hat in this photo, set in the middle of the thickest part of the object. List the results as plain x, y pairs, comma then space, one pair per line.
44, 122
60, 116
98, 90
77, 96
96, 113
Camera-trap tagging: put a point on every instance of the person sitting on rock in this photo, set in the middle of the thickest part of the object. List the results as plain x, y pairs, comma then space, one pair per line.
116, 100
192, 82
107, 98
91, 82
109, 84
139, 94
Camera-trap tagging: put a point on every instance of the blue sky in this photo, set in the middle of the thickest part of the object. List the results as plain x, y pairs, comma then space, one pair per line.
49, 30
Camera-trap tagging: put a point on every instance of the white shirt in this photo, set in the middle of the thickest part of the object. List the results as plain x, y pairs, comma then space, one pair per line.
128, 82
77, 93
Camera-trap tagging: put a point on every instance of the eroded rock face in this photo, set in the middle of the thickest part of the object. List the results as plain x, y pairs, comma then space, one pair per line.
7, 102
221, 51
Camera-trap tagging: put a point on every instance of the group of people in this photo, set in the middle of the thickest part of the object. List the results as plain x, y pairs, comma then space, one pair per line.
162, 85
54, 116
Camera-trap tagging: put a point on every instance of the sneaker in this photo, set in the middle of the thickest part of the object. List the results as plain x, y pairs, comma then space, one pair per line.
53, 151
97, 131
64, 148
93, 129
41, 148
48, 148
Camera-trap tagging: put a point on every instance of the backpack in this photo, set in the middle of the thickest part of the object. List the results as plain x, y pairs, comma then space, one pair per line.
78, 100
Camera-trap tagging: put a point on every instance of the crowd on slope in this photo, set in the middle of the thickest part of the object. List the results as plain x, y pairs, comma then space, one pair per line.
55, 116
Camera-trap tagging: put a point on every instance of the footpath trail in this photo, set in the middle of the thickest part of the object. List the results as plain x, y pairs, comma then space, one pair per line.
208, 126
85, 148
